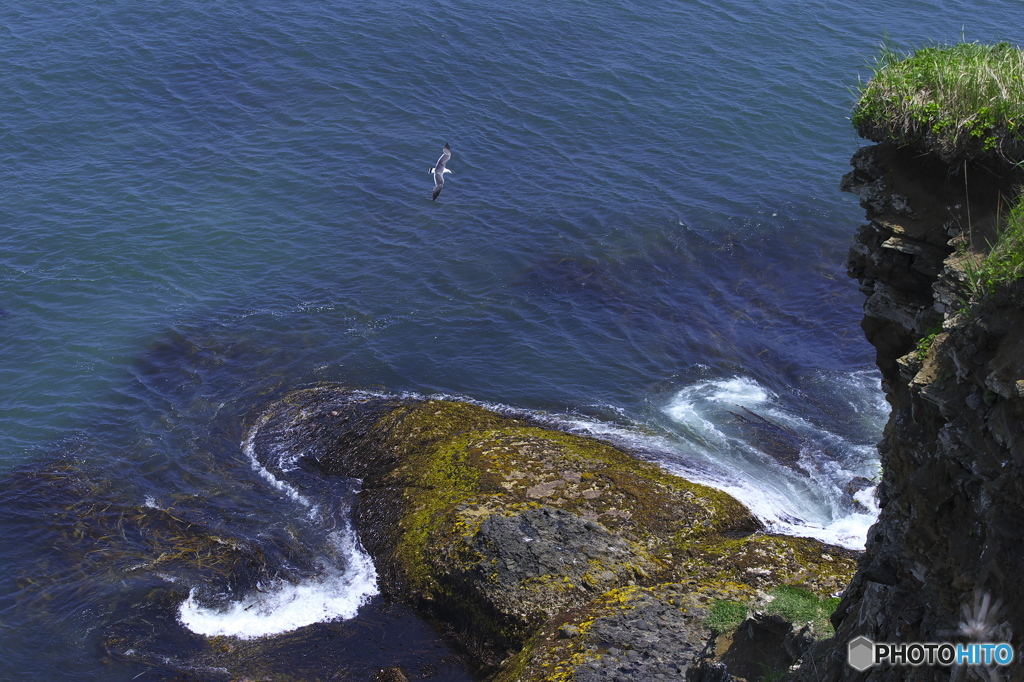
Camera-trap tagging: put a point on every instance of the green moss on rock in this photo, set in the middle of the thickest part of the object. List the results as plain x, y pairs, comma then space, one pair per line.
506, 531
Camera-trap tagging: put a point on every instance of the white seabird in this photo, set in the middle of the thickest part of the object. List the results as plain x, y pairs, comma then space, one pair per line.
439, 170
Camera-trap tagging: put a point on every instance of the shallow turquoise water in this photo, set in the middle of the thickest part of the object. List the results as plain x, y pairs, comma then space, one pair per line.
208, 202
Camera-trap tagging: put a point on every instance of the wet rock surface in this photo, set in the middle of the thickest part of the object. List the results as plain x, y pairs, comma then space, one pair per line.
653, 639
543, 554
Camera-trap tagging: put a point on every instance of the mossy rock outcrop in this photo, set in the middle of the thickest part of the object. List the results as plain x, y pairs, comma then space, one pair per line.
536, 549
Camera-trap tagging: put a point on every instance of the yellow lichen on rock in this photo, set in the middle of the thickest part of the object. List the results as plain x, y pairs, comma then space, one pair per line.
509, 531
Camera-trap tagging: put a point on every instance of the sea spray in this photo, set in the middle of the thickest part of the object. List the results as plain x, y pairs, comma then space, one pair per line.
288, 461
281, 606
699, 433
346, 578
797, 476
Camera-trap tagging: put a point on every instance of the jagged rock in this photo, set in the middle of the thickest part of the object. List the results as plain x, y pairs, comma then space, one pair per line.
952, 492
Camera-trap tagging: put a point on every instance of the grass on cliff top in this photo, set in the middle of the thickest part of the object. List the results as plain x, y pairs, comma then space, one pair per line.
961, 101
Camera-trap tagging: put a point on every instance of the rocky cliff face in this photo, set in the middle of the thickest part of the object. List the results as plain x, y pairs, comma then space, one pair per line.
951, 528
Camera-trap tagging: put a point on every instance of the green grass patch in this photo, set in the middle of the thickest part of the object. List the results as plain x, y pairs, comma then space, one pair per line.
795, 604
960, 101
726, 615
1003, 263
924, 344
800, 606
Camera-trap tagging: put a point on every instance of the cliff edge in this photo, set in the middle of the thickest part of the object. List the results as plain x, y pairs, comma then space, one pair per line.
943, 561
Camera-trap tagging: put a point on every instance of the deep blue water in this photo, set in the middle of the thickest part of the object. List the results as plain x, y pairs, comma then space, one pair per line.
205, 203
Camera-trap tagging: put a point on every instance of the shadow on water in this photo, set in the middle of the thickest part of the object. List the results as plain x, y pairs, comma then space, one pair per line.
108, 537
763, 303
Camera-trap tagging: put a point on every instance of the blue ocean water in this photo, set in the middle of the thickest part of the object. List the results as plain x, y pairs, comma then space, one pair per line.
208, 202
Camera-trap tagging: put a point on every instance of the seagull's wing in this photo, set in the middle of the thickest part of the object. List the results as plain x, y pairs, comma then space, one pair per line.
439, 170
447, 154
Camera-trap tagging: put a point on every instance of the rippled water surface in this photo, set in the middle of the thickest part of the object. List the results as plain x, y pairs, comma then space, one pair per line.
208, 203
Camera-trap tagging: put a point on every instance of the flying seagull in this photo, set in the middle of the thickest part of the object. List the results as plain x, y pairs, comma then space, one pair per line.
439, 170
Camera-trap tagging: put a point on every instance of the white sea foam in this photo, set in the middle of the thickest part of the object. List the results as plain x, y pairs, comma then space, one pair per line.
737, 390
867, 499
347, 578
282, 606
812, 503
248, 447
790, 511
703, 446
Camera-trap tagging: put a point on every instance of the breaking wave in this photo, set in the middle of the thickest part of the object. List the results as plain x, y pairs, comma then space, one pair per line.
801, 475
282, 606
345, 580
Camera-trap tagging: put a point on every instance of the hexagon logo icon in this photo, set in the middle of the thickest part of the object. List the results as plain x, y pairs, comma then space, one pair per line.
860, 653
